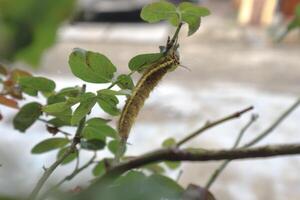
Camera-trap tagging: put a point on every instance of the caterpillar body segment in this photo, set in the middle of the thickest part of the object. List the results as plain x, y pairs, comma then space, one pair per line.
145, 85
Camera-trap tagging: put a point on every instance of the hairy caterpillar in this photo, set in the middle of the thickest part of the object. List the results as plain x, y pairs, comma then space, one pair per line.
145, 85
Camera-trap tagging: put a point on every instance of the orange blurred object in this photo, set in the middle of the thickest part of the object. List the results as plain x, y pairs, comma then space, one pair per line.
287, 7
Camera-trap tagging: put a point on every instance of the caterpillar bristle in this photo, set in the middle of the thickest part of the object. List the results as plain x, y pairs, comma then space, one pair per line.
141, 92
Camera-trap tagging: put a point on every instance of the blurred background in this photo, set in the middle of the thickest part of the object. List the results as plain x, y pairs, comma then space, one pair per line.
234, 60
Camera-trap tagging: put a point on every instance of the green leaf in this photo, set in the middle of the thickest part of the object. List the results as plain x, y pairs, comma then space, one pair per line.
169, 142
109, 104
191, 14
37, 83
57, 122
125, 82
27, 115
113, 92
56, 108
85, 106
96, 128
136, 185
165, 187
298, 10
91, 67
113, 146
99, 169
158, 11
154, 168
30, 27
92, 133
64, 116
49, 145
92, 145
172, 165
68, 159
97, 121
70, 91
140, 62
55, 99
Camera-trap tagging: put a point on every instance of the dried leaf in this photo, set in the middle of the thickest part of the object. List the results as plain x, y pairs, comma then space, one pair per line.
52, 129
8, 102
3, 70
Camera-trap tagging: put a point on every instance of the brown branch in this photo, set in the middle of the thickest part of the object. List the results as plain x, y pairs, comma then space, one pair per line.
212, 124
174, 154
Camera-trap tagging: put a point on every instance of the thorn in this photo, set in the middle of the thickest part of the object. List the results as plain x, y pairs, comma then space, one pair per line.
185, 67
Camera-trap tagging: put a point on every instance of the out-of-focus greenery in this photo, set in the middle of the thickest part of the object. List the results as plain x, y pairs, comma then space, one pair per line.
295, 23
28, 27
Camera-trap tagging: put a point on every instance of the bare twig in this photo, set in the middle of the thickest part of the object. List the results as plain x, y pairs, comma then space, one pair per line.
70, 150
274, 125
212, 124
260, 136
219, 170
76, 171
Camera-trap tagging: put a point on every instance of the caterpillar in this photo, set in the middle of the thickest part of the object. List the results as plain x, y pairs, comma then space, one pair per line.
140, 93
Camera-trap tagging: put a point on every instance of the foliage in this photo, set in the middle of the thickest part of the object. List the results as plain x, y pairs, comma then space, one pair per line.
71, 106
117, 175
295, 23
28, 27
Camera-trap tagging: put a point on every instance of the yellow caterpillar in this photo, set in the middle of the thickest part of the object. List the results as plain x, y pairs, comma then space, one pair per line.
140, 93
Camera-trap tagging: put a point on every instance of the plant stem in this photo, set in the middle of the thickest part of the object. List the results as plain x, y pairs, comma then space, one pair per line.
76, 171
120, 151
274, 125
50, 170
261, 136
209, 125
172, 42
219, 170
174, 154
